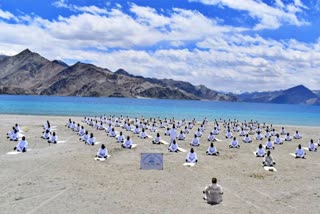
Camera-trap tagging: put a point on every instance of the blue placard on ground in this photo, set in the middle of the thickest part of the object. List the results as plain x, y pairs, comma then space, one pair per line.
151, 161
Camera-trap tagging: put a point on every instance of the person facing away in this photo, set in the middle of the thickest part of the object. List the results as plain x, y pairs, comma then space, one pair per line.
269, 144
91, 140
157, 139
287, 138
213, 193
191, 157
53, 138
234, 143
102, 152
300, 152
22, 145
247, 139
312, 147
120, 138
181, 136
278, 140
268, 160
211, 137
173, 147
297, 135
259, 136
212, 150
195, 141
127, 144
260, 151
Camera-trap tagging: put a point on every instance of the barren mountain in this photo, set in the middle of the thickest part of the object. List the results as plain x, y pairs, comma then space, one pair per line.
30, 73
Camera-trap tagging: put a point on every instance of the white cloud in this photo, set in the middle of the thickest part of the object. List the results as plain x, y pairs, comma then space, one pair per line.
224, 58
269, 17
87, 9
6, 15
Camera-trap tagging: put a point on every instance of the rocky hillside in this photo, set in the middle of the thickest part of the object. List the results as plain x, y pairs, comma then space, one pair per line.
296, 95
30, 73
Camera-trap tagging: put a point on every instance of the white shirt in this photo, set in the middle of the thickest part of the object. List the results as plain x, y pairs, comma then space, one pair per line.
102, 152
173, 147
278, 140
181, 136
143, 135
211, 137
120, 138
127, 143
261, 152
297, 136
247, 139
156, 140
229, 135
312, 146
234, 143
53, 138
21, 145
212, 150
300, 152
91, 140
195, 142
269, 145
192, 157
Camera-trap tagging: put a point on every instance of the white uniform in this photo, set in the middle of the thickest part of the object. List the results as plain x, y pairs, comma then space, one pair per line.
192, 157
228, 135
23, 144
14, 136
212, 150
199, 133
195, 142
259, 137
127, 144
211, 137
173, 147
91, 140
278, 140
156, 140
120, 138
46, 135
312, 147
112, 133
181, 136
82, 131
136, 131
53, 139
283, 132
85, 137
102, 153
242, 133
269, 145
234, 144
260, 152
297, 136
299, 153
143, 135
247, 139
173, 135
215, 131
288, 138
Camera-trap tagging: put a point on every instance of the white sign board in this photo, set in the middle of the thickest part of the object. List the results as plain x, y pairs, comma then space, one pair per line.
151, 161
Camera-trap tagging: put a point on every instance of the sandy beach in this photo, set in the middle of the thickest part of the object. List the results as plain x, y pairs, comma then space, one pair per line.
65, 178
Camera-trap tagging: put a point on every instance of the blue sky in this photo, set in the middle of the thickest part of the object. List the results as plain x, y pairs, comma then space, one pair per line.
227, 45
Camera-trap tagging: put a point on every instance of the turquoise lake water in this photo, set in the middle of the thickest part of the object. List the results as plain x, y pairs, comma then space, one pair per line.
179, 109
